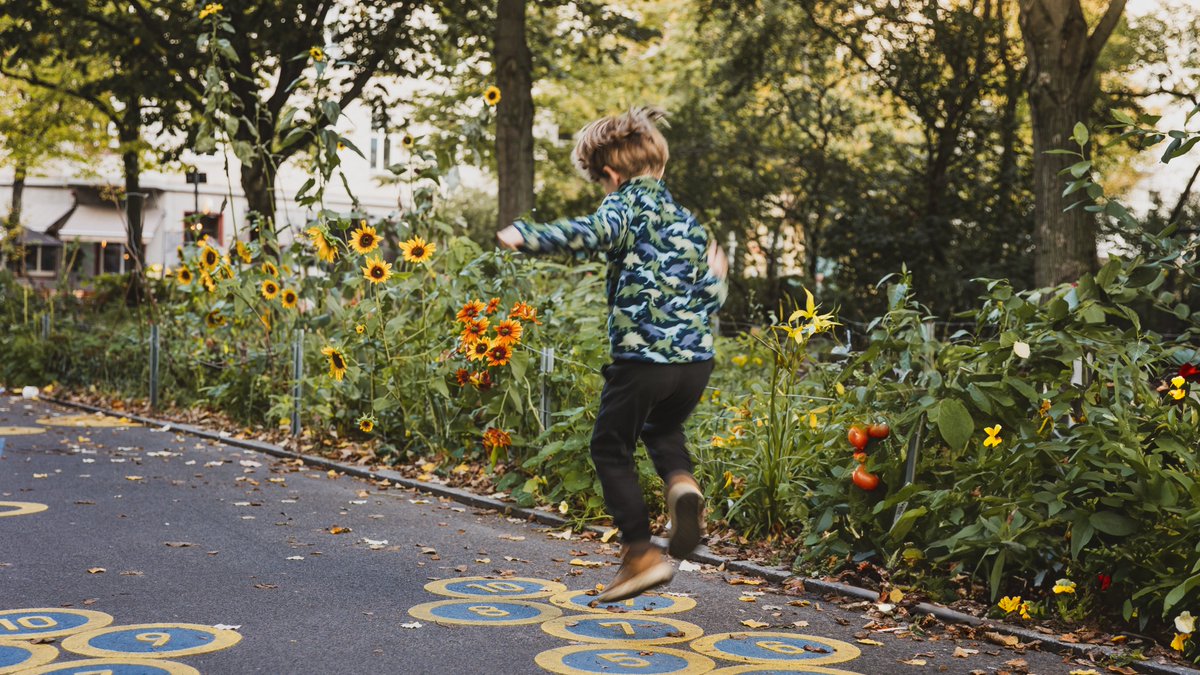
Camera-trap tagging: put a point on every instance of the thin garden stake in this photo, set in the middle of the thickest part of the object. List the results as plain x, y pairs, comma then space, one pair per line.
547, 369
910, 464
297, 378
154, 366
46, 326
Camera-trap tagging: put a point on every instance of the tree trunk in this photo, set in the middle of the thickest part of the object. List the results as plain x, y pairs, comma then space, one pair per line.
10, 246
1062, 87
18, 195
514, 113
258, 184
129, 135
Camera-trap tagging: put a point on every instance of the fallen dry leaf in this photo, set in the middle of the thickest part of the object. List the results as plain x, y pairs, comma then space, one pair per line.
914, 662
96, 570
751, 623
895, 596
873, 643
962, 653
735, 581
1001, 639
337, 529
178, 544
578, 562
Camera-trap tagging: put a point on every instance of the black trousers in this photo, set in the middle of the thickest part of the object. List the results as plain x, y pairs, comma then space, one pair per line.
650, 401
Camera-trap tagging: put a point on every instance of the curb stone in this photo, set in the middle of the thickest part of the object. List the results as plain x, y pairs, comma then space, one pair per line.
701, 554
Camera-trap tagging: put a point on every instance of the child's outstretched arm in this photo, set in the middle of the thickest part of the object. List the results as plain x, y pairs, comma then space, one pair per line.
596, 232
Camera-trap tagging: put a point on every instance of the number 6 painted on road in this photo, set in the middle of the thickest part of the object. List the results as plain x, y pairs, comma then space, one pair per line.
625, 660
780, 647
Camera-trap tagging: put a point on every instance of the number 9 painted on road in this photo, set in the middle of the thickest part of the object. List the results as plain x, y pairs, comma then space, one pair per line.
155, 639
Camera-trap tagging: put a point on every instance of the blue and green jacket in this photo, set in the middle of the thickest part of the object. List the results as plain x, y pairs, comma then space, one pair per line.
660, 289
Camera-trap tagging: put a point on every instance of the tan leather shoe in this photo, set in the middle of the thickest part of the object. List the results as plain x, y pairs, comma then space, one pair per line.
643, 566
685, 506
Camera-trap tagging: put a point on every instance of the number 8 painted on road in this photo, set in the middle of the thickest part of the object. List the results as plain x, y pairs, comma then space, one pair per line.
780, 647
155, 639
488, 610
625, 660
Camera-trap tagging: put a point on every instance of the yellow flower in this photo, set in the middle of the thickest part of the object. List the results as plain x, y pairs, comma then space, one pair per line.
377, 271
740, 360
270, 270
270, 289
214, 319
415, 250
289, 298
207, 280
364, 239
324, 250
816, 323
1024, 609
1180, 641
564, 507
407, 142
508, 331
366, 424
1177, 394
1185, 623
993, 437
243, 251
184, 275
210, 9
492, 95
1009, 604
317, 54
478, 351
1178, 381
337, 362
209, 257
359, 328
1064, 586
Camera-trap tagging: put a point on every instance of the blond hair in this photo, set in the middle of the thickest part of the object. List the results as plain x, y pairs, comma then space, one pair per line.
630, 143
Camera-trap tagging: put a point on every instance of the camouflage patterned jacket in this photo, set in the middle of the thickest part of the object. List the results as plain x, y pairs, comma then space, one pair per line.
660, 290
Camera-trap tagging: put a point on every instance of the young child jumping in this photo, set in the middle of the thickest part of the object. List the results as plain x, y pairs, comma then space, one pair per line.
664, 280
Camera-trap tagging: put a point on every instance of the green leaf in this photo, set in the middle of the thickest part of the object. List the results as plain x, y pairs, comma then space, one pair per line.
955, 423
1081, 534
1179, 592
997, 574
1111, 522
905, 523
1080, 134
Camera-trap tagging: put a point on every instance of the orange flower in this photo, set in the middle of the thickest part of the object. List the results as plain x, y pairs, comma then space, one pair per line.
469, 311
524, 312
509, 332
475, 331
462, 376
494, 439
492, 305
482, 380
498, 353
478, 351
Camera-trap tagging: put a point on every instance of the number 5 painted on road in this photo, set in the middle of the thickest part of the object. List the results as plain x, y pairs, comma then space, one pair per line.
625, 660
780, 647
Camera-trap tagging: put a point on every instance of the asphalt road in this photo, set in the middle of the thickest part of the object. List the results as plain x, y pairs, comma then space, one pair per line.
151, 527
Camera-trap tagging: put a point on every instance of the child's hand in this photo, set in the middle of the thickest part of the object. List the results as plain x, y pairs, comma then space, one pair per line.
510, 238
717, 262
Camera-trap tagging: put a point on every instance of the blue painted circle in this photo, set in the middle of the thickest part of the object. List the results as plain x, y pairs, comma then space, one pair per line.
640, 603
644, 628
748, 647
126, 641
591, 661
59, 622
115, 669
11, 655
497, 588
462, 612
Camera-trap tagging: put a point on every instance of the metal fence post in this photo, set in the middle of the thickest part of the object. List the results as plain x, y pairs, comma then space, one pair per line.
46, 326
154, 366
547, 369
298, 379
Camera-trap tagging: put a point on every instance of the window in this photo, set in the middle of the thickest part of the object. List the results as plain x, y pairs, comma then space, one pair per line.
387, 153
114, 258
196, 226
42, 259
374, 153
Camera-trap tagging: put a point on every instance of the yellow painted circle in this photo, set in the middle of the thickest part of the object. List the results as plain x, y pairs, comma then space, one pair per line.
157, 666
49, 622
774, 651
590, 659
771, 668
508, 588
646, 603
482, 612
97, 420
20, 509
155, 636
616, 629
37, 655
21, 431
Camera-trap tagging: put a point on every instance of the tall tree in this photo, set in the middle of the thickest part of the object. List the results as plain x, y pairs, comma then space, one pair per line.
1061, 81
514, 113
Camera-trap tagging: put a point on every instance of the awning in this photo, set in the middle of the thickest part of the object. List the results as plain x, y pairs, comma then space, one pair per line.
98, 223
30, 238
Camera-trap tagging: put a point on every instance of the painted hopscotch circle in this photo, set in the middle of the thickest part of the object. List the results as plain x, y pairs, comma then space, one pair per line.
21, 431
485, 612
776, 648
639, 630
15, 656
48, 622
607, 659
511, 588
779, 669
96, 421
116, 666
152, 640
647, 603
19, 509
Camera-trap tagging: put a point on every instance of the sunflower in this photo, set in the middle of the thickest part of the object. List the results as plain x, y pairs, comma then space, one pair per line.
289, 298
407, 142
207, 280
377, 271
359, 328
337, 362
324, 250
184, 275
498, 353
209, 257
366, 424
364, 240
270, 289
416, 250
469, 312
492, 95
492, 306
270, 270
462, 376
524, 312
475, 331
509, 332
478, 351
214, 319
243, 252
